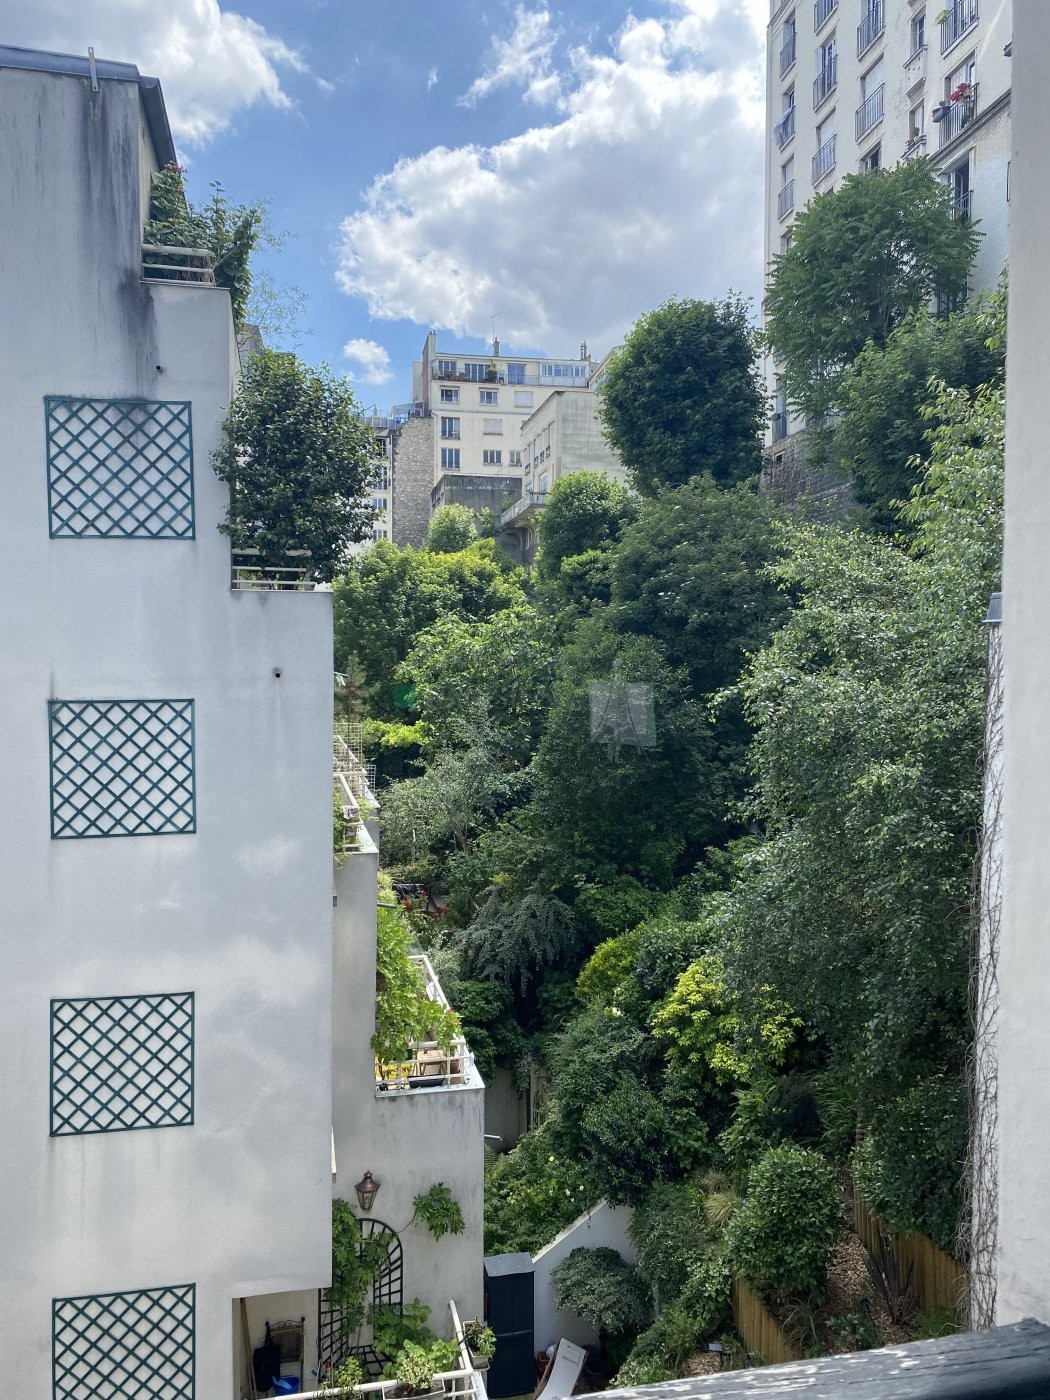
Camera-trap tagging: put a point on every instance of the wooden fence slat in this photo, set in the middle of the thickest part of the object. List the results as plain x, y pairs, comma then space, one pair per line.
760, 1330
939, 1281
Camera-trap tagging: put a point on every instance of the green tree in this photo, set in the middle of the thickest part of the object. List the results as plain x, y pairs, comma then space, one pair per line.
782, 1235
880, 436
451, 529
585, 511
602, 1288
298, 461
682, 395
862, 259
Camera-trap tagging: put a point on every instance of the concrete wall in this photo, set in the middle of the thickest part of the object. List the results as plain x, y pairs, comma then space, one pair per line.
239, 913
505, 1111
409, 1140
412, 476
1024, 966
606, 1226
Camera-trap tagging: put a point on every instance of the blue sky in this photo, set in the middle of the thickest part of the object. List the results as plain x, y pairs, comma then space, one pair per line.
565, 166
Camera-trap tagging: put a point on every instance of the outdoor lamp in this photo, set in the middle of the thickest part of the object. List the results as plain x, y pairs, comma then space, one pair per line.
367, 1189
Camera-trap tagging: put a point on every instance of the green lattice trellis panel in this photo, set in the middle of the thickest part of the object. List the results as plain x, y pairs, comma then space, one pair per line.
122, 768
119, 1063
119, 468
135, 1346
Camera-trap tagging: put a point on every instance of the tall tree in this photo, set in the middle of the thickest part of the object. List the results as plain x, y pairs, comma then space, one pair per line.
682, 396
585, 511
862, 259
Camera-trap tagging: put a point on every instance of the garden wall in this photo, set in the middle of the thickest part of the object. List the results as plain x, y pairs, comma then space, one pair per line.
939, 1281
761, 1332
604, 1225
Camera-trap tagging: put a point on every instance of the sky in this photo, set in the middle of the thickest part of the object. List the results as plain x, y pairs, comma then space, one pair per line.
559, 167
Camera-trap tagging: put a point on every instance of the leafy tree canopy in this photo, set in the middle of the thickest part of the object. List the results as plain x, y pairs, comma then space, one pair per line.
585, 511
451, 528
682, 395
298, 461
862, 259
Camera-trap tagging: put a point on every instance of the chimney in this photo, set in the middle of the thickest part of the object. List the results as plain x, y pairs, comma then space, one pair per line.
495, 345
584, 354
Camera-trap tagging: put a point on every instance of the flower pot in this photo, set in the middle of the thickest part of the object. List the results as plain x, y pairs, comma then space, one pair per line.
480, 1361
939, 113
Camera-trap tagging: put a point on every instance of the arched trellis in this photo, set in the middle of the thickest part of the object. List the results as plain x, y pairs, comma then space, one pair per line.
388, 1289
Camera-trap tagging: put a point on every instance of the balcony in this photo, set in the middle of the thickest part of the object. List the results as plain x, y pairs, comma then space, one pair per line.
522, 381
525, 508
959, 20
822, 12
784, 129
786, 200
163, 264
961, 205
916, 147
780, 425
248, 575
870, 27
870, 112
787, 54
825, 83
915, 71
955, 115
464, 1383
824, 160
428, 1066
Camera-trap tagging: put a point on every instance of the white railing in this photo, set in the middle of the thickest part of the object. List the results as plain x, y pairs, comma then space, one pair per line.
360, 777
161, 263
462, 1384
247, 575
428, 1066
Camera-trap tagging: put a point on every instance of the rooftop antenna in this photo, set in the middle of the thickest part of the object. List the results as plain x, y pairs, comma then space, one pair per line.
495, 342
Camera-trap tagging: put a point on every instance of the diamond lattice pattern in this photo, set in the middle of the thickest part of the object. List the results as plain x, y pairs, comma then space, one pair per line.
135, 1346
121, 1062
122, 768
119, 467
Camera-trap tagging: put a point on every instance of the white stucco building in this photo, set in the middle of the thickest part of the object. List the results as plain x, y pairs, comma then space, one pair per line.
178, 1108
852, 85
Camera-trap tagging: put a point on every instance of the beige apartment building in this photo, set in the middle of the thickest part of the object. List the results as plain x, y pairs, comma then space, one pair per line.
852, 85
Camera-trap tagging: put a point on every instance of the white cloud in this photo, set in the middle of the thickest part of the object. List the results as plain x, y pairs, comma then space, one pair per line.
525, 60
432, 77
648, 185
212, 62
372, 360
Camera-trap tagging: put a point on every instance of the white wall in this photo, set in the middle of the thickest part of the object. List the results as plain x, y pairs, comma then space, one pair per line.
1024, 968
604, 1226
239, 913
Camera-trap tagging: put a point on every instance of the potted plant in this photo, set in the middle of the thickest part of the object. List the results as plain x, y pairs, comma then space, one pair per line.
941, 111
416, 1366
481, 1342
343, 1382
960, 93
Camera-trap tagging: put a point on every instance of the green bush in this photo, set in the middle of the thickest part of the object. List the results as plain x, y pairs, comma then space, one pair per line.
669, 1236
705, 1297
531, 1193
783, 1233
599, 1286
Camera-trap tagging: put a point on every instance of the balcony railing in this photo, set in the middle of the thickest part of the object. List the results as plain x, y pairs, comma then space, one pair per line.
956, 115
915, 70
787, 54
826, 81
786, 200
870, 27
527, 504
822, 11
553, 381
961, 205
428, 1066
916, 147
870, 112
248, 575
824, 160
464, 1383
780, 425
784, 129
960, 19
163, 264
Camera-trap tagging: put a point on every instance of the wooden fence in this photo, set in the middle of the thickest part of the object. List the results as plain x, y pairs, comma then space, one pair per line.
760, 1330
938, 1280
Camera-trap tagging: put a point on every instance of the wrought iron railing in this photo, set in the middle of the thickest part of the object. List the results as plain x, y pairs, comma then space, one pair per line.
822, 11
826, 81
870, 27
824, 160
958, 115
787, 54
870, 112
786, 200
784, 129
960, 18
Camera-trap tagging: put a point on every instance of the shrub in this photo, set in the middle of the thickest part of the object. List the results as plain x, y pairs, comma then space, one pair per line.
782, 1234
599, 1286
705, 1297
668, 1234
531, 1193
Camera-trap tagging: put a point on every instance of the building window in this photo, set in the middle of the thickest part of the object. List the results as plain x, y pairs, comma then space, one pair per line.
515, 459
958, 179
492, 458
824, 160
133, 1344
917, 32
122, 768
786, 197
450, 459
492, 426
488, 397
871, 26
450, 396
786, 240
446, 369
872, 100
515, 374
571, 371
780, 415
958, 19
872, 159
477, 372
121, 1062
450, 427
119, 468
787, 44
784, 129
384, 477
827, 78
523, 398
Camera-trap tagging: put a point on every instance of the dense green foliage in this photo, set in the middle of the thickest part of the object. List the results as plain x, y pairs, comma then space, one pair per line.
681, 395
297, 459
451, 529
782, 1234
862, 259
602, 1288
585, 512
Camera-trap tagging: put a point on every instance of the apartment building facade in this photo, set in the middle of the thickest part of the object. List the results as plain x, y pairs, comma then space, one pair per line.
165, 811
854, 85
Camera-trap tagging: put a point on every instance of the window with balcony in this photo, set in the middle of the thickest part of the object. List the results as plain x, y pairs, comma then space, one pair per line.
826, 81
960, 102
871, 26
959, 18
445, 369
450, 459
787, 44
784, 129
492, 426
822, 11
959, 182
488, 397
872, 100
450, 396
824, 160
450, 427
515, 374
786, 197
477, 372
916, 129
872, 160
